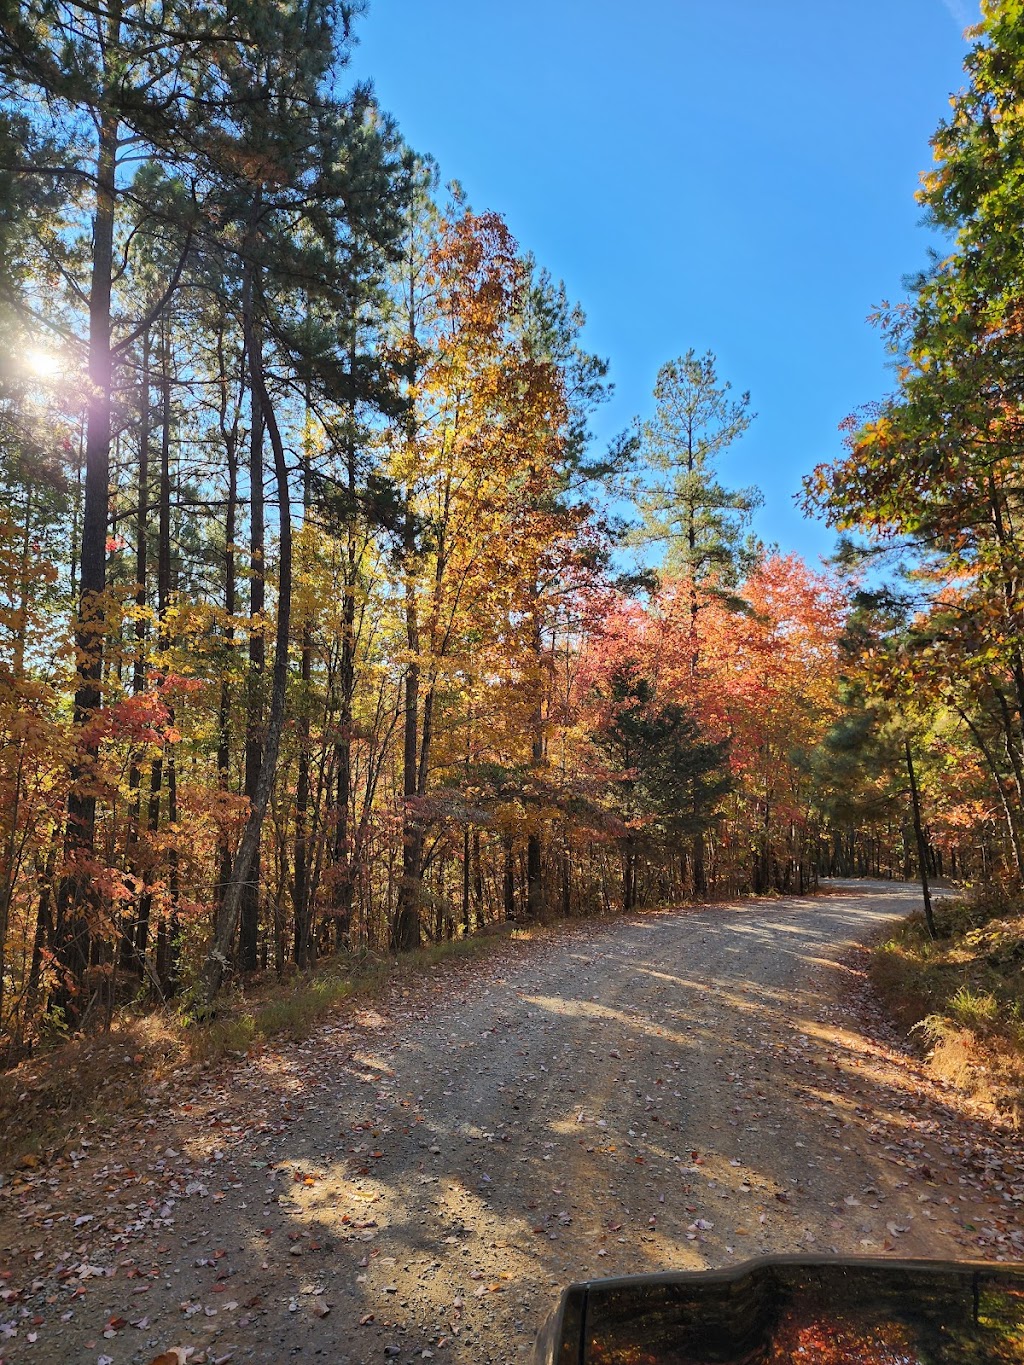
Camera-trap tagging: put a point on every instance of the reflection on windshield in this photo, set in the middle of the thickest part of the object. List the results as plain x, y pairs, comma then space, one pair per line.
785, 1314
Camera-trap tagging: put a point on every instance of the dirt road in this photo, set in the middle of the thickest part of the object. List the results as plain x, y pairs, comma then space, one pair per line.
420, 1180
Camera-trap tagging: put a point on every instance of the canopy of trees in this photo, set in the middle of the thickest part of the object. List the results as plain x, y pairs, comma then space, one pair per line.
314, 630
933, 474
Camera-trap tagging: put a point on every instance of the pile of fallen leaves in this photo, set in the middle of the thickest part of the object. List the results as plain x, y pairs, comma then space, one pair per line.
962, 997
49, 1097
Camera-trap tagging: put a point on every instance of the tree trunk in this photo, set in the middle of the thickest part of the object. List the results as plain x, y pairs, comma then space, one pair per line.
166, 970
229, 435
922, 845
628, 876
534, 877
76, 901
509, 879
169, 973
303, 936
345, 848
245, 858
466, 878
405, 932
534, 849
697, 863
130, 957
1011, 822
249, 925
42, 936
478, 882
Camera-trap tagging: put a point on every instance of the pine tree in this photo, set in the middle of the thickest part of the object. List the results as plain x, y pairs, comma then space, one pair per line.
698, 522
310, 192
684, 507
668, 778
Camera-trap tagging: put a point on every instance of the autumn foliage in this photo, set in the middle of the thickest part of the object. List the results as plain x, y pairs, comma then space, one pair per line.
317, 633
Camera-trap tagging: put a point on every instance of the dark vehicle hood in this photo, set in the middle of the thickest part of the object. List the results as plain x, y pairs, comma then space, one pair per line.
780, 1309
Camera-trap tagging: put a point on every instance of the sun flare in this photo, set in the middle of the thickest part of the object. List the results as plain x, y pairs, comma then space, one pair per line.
42, 363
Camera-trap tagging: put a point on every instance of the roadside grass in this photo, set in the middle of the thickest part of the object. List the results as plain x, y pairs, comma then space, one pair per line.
962, 997
281, 1010
73, 1089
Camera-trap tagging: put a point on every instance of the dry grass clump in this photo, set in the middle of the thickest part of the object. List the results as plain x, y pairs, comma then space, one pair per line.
281, 1010
963, 996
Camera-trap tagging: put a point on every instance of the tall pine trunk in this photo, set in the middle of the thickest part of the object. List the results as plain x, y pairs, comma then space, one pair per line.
245, 858
249, 924
346, 850
76, 905
131, 957
302, 945
229, 435
534, 848
405, 933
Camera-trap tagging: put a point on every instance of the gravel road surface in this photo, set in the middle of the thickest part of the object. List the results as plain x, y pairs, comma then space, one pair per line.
419, 1179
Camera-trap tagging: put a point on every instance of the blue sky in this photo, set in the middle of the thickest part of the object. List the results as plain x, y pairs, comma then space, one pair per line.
735, 177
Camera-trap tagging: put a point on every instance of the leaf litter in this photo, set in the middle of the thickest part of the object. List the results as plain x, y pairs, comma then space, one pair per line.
354, 1178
